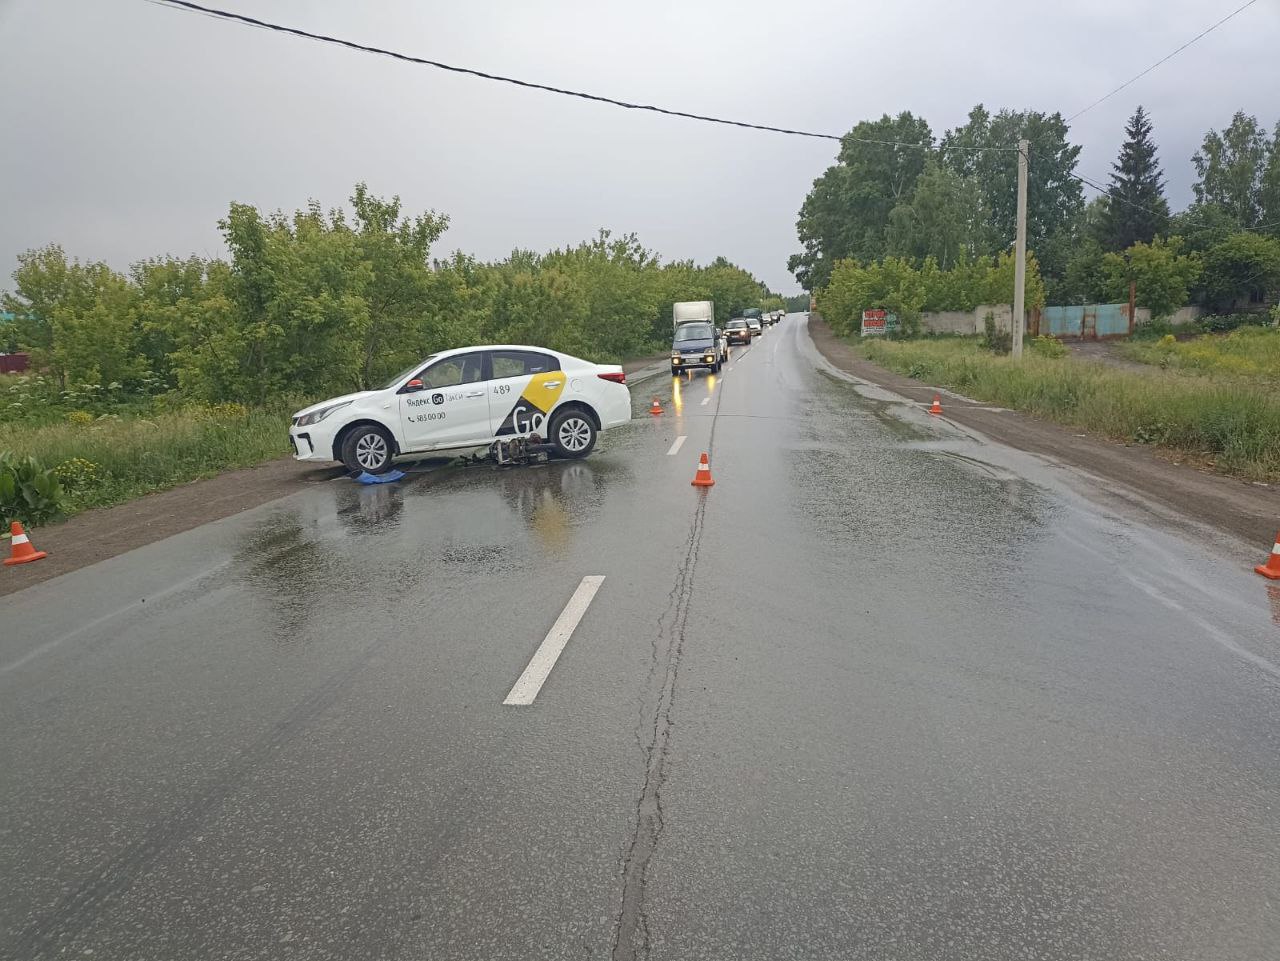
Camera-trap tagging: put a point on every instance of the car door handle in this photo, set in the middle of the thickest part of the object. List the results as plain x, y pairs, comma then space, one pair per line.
478, 393
551, 384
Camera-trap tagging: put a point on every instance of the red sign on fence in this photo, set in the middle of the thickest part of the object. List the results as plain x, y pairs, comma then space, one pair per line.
876, 322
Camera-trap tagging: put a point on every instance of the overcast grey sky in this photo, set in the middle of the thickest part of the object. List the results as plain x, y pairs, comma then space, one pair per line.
127, 127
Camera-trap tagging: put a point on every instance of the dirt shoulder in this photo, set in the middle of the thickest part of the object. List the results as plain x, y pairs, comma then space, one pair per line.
97, 535
1102, 351
1248, 511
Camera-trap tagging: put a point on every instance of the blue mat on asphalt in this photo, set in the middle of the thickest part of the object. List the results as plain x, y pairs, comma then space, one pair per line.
387, 478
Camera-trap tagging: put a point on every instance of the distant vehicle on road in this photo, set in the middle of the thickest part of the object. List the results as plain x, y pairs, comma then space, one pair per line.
757, 328
464, 398
696, 346
738, 331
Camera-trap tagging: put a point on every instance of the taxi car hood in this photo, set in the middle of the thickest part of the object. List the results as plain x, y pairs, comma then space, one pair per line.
334, 400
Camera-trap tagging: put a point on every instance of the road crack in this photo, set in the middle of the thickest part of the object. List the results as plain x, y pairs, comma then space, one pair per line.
631, 935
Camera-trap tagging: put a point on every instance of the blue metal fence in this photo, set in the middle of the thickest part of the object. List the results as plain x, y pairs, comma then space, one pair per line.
1085, 320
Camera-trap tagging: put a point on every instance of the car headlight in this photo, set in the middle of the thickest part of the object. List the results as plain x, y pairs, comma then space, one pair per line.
306, 420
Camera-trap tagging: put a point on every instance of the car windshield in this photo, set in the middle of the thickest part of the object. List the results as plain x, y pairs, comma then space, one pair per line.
406, 372
737, 324
693, 332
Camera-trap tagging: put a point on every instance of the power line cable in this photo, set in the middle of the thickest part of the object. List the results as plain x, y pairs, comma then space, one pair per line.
1106, 191
187, 6
1163, 59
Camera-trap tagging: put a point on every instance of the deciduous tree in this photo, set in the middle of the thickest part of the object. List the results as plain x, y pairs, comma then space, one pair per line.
1162, 274
945, 219
847, 211
1230, 166
984, 148
1244, 267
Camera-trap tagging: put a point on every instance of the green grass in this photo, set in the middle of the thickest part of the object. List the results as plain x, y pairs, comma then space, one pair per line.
135, 455
1249, 352
1232, 420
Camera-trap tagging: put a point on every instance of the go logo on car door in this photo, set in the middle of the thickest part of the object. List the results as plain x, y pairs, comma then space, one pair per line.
529, 411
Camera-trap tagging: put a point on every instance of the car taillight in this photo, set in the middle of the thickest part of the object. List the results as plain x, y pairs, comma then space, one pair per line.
619, 377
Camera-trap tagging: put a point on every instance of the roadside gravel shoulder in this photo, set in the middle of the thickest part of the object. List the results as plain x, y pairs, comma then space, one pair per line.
1245, 510
97, 535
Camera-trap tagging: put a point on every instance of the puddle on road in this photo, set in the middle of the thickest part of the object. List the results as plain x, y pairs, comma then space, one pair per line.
434, 528
879, 403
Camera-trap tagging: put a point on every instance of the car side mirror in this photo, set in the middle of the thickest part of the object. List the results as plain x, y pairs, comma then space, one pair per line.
413, 386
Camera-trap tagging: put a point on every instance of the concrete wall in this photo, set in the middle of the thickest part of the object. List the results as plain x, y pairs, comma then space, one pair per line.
948, 322
1001, 313
967, 321
974, 321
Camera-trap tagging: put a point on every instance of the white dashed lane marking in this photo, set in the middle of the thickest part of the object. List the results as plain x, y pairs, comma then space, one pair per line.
548, 652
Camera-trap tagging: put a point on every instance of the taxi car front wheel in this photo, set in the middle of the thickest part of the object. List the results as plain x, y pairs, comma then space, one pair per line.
367, 448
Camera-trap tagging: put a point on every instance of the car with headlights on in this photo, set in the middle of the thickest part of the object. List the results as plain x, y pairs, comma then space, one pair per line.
466, 398
696, 345
737, 331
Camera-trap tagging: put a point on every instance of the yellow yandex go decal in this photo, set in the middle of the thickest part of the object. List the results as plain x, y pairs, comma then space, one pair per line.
529, 414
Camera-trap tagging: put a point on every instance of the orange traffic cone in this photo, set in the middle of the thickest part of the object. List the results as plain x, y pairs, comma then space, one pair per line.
21, 551
1270, 569
656, 408
703, 477
937, 405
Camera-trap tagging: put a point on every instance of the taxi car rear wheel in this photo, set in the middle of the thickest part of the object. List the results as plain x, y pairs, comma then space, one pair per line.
367, 448
573, 433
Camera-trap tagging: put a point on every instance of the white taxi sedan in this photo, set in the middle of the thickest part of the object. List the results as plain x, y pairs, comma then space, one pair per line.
466, 398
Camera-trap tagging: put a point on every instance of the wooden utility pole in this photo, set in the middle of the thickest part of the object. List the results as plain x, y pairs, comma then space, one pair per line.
1133, 304
1020, 252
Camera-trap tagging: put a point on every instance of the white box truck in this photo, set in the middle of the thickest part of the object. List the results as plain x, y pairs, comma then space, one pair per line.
692, 311
695, 341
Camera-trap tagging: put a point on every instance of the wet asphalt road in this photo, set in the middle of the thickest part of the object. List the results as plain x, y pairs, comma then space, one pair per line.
884, 692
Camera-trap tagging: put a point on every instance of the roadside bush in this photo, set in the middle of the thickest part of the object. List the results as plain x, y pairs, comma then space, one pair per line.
1047, 346
993, 339
224, 411
79, 478
1222, 323
1252, 353
28, 492
117, 458
1152, 330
